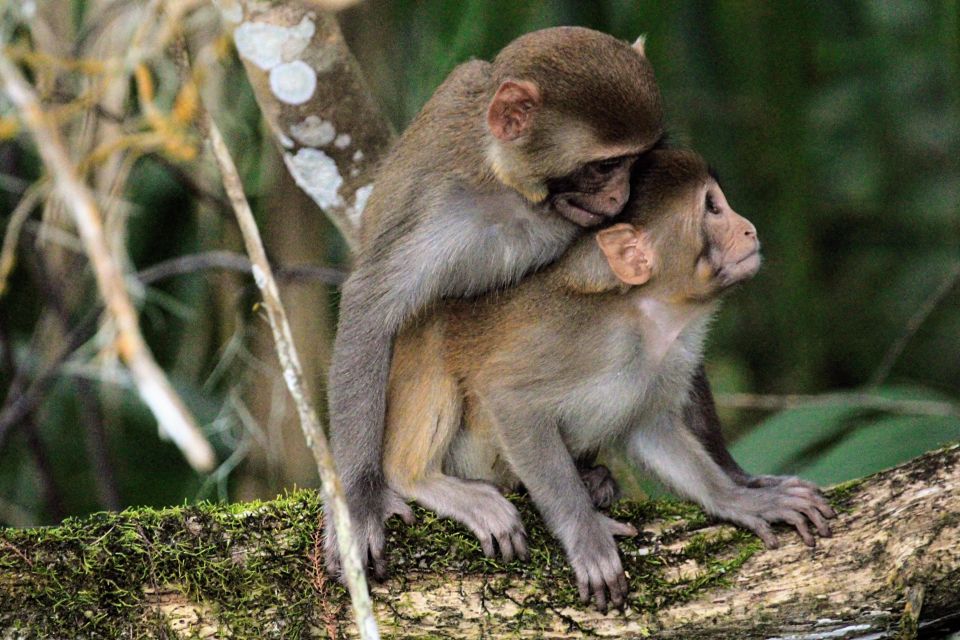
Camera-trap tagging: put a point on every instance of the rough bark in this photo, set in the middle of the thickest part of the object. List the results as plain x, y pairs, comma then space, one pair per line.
311, 90
249, 571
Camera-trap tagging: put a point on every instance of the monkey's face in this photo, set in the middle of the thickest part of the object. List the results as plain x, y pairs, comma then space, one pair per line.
731, 250
680, 233
594, 192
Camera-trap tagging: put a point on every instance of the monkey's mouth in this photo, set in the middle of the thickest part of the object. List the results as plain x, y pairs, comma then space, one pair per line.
743, 269
576, 213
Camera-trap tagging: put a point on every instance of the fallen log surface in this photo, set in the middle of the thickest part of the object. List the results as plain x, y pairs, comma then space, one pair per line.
892, 569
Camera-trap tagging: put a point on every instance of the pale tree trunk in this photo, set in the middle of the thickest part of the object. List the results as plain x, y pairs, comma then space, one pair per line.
247, 571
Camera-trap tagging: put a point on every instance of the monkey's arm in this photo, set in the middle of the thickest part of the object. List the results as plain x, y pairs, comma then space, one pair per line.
670, 450
536, 452
702, 420
700, 416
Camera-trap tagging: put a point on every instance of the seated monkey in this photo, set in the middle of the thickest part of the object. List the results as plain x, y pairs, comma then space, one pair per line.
599, 349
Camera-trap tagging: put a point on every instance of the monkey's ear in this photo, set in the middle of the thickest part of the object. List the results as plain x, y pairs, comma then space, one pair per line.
629, 252
512, 108
640, 45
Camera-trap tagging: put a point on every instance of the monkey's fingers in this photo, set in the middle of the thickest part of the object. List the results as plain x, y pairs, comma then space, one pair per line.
520, 545
814, 497
486, 544
331, 553
376, 551
617, 528
513, 544
397, 506
763, 530
599, 591
601, 486
814, 516
798, 522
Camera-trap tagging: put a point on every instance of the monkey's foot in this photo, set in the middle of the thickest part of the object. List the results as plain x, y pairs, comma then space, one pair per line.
596, 561
368, 532
793, 501
601, 485
480, 507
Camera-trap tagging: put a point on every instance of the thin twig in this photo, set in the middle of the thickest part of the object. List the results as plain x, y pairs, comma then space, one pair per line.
293, 375
913, 325
230, 261
94, 431
51, 490
856, 400
8, 254
154, 388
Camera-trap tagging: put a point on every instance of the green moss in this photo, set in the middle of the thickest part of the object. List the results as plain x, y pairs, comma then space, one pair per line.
841, 496
89, 576
249, 567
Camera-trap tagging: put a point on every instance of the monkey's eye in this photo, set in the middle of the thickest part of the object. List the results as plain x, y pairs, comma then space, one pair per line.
711, 205
606, 166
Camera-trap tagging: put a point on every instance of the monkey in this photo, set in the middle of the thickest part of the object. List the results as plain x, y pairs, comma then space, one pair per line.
502, 169
602, 348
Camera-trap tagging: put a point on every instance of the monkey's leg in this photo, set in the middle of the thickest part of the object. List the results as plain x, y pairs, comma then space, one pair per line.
701, 418
679, 460
424, 414
537, 454
372, 308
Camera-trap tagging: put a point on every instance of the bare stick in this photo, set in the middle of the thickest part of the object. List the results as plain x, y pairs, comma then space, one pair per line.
8, 254
913, 325
154, 388
230, 261
864, 400
293, 375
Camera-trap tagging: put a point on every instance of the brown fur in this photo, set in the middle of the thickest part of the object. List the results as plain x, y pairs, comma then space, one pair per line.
488, 389
494, 179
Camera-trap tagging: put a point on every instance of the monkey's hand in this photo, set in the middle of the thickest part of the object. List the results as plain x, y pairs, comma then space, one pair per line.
596, 561
601, 486
791, 500
368, 532
765, 481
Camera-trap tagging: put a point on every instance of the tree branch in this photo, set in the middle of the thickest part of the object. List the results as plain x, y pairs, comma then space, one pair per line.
858, 400
892, 569
330, 131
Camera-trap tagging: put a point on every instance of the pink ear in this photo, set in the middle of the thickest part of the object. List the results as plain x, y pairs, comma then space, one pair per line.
629, 253
512, 108
640, 45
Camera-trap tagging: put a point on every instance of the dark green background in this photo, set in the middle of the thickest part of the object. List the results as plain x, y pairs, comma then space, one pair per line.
835, 128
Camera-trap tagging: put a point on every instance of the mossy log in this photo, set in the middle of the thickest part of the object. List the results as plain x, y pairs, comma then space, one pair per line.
892, 569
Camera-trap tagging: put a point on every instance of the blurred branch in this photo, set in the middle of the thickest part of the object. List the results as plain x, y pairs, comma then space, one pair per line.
155, 390
8, 254
860, 400
316, 441
913, 325
53, 497
230, 261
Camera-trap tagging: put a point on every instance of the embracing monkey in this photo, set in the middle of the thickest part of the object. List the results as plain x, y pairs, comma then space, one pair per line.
602, 348
503, 168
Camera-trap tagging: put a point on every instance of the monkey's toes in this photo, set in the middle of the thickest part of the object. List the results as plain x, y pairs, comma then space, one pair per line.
601, 486
617, 528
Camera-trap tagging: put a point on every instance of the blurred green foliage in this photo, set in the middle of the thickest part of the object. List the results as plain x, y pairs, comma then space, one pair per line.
835, 127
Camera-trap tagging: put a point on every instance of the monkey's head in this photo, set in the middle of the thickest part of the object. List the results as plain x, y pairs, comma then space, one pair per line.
571, 110
679, 232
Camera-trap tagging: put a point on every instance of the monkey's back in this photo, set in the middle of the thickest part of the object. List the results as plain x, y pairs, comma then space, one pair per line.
439, 137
